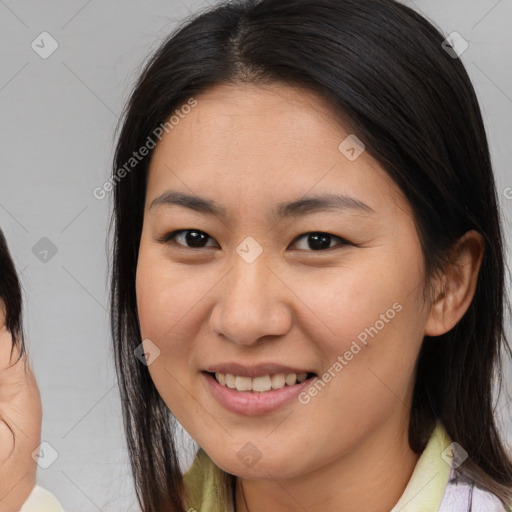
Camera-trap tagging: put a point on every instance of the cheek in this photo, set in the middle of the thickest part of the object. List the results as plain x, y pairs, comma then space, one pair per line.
345, 302
168, 304
159, 311
165, 295
368, 323
368, 353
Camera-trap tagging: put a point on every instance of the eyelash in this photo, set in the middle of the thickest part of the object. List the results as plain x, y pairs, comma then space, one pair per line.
169, 238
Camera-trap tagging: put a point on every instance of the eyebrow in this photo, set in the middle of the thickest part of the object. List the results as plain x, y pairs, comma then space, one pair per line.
296, 208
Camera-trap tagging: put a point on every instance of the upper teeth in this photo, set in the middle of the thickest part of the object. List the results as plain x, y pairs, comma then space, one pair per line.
259, 384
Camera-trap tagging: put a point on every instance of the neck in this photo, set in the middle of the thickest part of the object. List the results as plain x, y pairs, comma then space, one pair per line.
372, 476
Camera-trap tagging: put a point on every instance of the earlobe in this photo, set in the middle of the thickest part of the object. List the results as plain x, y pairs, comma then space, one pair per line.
456, 286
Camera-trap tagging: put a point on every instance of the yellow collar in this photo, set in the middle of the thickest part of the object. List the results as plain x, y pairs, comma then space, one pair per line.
210, 489
425, 489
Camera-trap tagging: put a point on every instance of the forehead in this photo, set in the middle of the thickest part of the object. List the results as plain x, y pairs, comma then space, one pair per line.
247, 144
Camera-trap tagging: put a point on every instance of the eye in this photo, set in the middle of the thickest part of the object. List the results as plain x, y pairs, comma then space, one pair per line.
196, 239
189, 238
319, 241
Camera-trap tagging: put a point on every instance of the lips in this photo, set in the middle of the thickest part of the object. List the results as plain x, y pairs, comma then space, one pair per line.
260, 399
250, 403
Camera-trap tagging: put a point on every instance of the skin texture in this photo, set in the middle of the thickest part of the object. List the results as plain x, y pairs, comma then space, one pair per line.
249, 147
20, 423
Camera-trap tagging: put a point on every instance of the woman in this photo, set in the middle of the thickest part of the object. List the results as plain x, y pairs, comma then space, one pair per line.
308, 266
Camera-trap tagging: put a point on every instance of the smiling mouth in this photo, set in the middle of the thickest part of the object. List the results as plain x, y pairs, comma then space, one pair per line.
260, 384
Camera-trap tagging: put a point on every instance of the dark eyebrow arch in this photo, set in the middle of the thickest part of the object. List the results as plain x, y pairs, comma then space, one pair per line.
299, 207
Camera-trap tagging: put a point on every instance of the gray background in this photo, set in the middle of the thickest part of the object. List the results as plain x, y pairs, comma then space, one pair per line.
57, 132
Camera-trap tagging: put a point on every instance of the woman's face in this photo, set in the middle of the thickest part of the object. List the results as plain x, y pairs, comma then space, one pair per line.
331, 290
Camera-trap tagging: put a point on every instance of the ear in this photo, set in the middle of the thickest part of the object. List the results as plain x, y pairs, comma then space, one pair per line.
455, 287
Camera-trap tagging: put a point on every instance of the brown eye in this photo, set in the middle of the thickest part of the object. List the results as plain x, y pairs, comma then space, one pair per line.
188, 238
196, 239
319, 241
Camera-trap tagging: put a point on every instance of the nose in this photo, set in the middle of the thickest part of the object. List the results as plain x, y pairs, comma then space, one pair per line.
252, 303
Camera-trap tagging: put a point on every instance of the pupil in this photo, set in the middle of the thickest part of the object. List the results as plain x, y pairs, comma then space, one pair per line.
319, 241
194, 238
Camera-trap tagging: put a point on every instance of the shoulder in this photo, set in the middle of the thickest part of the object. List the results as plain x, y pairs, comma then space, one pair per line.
462, 495
41, 500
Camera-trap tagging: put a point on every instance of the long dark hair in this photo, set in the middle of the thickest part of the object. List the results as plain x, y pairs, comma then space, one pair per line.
383, 69
10, 295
